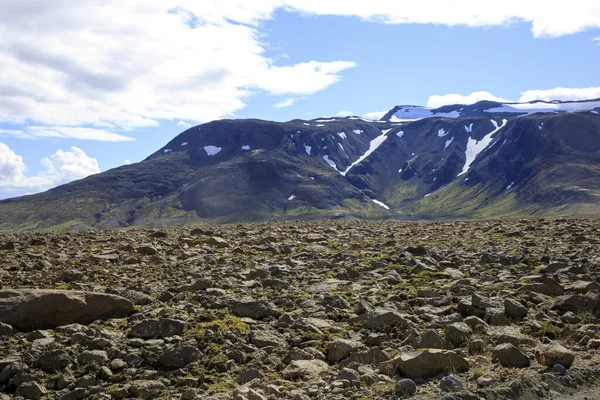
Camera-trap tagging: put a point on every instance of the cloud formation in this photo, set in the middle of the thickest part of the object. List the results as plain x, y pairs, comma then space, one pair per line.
61, 167
561, 93
455, 98
374, 115
284, 103
124, 65
547, 18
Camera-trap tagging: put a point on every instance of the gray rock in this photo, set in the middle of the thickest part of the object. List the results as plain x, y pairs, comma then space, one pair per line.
257, 309
248, 375
514, 309
11, 370
485, 381
510, 356
30, 309
71, 275
373, 356
76, 394
383, 318
178, 356
104, 374
157, 328
304, 369
496, 317
550, 355
480, 301
548, 286
264, 338
146, 389
559, 370
349, 374
457, 333
450, 383
431, 340
86, 381
340, 349
6, 329
405, 388
430, 362
30, 390
53, 360
92, 357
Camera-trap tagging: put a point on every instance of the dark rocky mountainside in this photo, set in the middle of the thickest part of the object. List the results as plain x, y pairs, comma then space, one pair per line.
479, 161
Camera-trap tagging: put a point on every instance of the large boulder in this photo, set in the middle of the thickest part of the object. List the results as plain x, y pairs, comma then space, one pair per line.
457, 333
590, 302
157, 328
429, 363
257, 309
382, 318
178, 356
340, 349
304, 369
553, 354
30, 309
510, 356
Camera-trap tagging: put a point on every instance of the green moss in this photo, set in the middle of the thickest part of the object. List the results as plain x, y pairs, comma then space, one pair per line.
220, 324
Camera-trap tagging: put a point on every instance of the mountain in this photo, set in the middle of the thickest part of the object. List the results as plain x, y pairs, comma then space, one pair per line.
483, 160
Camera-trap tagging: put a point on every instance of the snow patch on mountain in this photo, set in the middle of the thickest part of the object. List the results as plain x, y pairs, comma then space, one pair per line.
373, 145
342, 135
475, 147
442, 132
413, 113
307, 149
469, 128
380, 203
330, 162
545, 107
448, 143
212, 150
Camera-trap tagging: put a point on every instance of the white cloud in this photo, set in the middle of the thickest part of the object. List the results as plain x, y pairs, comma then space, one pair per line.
547, 18
597, 40
561, 93
455, 98
130, 64
61, 167
12, 166
66, 166
66, 132
374, 115
127, 162
345, 113
184, 124
284, 103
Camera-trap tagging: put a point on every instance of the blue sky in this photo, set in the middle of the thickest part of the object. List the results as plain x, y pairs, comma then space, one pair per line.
83, 91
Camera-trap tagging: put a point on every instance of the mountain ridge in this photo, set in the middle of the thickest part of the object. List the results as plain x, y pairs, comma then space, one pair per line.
480, 162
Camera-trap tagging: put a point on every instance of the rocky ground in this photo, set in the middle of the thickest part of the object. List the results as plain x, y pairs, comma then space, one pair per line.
304, 310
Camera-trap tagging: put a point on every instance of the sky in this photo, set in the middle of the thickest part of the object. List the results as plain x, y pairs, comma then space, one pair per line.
90, 85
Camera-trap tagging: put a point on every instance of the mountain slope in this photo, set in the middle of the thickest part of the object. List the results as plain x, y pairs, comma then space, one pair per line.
457, 161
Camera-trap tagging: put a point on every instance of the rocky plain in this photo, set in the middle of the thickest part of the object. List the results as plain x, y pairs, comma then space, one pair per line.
304, 310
